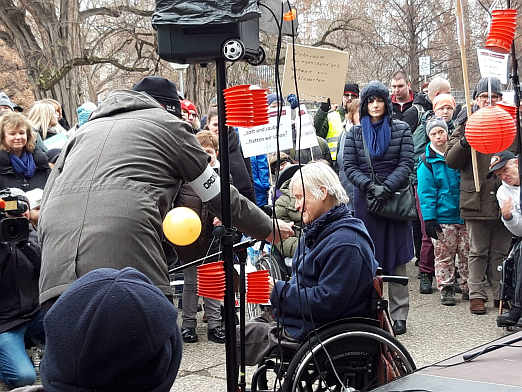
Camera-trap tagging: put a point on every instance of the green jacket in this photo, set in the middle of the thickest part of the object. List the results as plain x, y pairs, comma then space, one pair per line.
285, 209
321, 121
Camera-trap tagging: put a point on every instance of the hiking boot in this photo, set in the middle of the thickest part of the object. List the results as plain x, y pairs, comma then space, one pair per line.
426, 281
510, 318
477, 306
216, 335
399, 327
189, 335
447, 296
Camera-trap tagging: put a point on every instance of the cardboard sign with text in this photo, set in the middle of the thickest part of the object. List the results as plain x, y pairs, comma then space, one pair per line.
262, 139
493, 64
305, 130
320, 73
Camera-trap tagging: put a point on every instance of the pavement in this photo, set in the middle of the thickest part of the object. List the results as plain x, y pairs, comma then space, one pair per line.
435, 332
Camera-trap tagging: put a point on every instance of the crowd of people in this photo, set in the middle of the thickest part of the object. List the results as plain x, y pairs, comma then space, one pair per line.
94, 266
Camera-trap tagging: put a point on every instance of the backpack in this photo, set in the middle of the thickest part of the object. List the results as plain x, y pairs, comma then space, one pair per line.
420, 113
425, 161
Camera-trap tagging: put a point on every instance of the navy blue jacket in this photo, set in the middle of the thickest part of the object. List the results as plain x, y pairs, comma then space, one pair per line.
393, 168
332, 274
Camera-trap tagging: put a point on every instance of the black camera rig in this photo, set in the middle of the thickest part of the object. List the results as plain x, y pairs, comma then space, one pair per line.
14, 226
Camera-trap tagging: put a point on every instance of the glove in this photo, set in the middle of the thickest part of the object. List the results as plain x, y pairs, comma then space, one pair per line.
463, 142
292, 100
432, 228
380, 192
326, 106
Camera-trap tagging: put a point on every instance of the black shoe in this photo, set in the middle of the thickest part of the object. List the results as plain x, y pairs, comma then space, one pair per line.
399, 327
426, 280
216, 335
189, 335
510, 318
447, 296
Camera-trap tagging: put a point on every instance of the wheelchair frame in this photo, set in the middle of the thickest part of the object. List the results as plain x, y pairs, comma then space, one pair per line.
322, 362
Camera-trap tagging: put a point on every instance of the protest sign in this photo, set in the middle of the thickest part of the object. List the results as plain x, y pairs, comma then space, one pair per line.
262, 139
493, 64
320, 73
307, 137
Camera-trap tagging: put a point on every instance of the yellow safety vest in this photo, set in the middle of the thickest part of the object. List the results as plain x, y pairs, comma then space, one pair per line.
335, 128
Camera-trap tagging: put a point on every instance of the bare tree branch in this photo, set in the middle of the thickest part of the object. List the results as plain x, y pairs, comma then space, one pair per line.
114, 12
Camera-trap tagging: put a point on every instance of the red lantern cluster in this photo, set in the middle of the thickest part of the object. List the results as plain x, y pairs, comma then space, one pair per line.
211, 280
511, 109
258, 291
502, 30
490, 130
246, 106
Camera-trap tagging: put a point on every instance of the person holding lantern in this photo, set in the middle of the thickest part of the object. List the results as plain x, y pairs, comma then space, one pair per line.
489, 239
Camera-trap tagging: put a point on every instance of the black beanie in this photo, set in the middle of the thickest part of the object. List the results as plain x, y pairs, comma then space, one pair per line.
351, 88
111, 330
482, 87
163, 91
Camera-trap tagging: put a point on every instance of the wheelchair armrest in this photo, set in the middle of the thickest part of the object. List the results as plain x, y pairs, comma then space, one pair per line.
402, 280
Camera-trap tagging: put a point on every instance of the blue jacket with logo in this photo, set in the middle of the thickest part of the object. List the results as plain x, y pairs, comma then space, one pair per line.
438, 189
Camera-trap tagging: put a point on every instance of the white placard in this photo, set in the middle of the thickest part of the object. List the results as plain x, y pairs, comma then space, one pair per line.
308, 136
262, 140
424, 66
493, 64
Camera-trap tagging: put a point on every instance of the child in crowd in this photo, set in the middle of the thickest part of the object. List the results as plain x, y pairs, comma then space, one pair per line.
197, 250
439, 194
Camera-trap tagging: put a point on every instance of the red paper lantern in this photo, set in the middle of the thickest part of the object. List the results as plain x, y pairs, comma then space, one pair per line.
211, 280
502, 30
490, 130
245, 106
511, 109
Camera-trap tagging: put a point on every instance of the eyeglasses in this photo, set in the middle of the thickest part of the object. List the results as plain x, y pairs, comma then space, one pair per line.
350, 95
484, 97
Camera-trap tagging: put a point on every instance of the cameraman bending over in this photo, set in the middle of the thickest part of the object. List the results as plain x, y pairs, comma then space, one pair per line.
20, 319
21, 166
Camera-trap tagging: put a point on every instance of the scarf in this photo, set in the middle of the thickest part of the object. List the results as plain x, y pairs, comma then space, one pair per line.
377, 135
24, 165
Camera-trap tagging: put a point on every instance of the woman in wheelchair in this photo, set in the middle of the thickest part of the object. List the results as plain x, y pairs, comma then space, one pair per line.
333, 267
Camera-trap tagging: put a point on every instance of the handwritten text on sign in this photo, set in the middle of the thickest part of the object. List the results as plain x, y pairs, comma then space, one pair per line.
262, 139
320, 73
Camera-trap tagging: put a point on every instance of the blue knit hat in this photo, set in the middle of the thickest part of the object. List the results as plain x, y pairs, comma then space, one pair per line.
84, 112
111, 330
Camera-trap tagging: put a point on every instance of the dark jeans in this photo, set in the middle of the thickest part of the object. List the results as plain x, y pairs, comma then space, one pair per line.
427, 254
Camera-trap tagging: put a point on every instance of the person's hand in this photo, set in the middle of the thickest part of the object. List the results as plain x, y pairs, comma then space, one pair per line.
270, 284
292, 100
283, 230
217, 221
34, 216
380, 192
326, 106
507, 209
464, 142
432, 228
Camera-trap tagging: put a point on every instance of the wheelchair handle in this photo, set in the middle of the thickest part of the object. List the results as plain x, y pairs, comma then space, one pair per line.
402, 280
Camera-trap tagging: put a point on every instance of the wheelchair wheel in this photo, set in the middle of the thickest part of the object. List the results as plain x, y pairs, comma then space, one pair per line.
267, 262
363, 357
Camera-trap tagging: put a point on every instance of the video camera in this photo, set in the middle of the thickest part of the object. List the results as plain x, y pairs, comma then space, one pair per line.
14, 227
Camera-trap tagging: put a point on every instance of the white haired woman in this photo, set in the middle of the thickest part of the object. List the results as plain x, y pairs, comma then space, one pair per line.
44, 119
332, 270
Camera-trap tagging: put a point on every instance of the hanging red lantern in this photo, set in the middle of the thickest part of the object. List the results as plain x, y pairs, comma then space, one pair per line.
502, 30
511, 109
245, 106
490, 130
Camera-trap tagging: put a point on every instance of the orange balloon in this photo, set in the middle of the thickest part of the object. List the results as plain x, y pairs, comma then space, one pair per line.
182, 226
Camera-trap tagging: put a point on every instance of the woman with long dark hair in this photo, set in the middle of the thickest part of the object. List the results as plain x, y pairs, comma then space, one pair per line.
390, 148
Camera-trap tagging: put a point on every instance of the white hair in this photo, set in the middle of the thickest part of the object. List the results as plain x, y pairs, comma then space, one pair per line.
317, 175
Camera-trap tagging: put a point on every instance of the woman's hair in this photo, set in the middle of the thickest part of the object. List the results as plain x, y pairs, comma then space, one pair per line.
16, 120
55, 104
41, 115
353, 108
316, 175
211, 113
208, 139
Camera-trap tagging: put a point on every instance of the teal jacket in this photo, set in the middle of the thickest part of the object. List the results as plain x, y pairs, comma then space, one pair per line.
438, 189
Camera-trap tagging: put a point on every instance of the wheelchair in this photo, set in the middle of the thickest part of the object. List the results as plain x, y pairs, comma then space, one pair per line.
508, 280
353, 354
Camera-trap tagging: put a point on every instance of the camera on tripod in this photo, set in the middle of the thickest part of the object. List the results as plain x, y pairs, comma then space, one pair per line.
14, 226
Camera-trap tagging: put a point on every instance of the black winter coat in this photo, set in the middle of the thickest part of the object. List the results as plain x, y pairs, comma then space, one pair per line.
11, 179
19, 273
412, 116
392, 169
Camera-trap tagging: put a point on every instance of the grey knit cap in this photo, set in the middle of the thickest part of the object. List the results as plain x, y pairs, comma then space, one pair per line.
434, 123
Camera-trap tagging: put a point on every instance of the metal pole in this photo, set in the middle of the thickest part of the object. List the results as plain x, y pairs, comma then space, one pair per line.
227, 239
